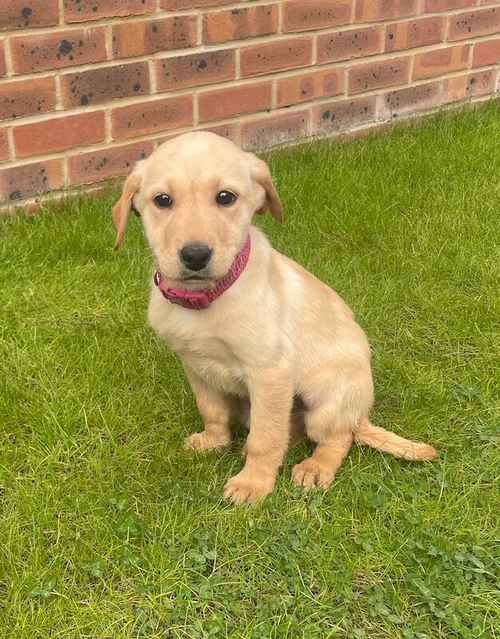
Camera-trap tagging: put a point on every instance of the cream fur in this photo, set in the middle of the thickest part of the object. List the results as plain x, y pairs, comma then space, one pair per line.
276, 334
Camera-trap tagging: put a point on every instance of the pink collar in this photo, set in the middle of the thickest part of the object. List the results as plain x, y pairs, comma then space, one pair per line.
200, 299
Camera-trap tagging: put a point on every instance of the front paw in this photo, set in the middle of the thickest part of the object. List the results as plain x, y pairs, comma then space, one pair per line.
203, 441
244, 489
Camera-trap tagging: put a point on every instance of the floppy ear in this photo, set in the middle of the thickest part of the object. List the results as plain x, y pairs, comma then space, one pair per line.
121, 210
262, 175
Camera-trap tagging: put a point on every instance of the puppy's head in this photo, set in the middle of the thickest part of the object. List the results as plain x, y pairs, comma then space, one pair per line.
196, 195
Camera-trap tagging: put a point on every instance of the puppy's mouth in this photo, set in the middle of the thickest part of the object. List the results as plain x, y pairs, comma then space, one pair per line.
189, 280
195, 281
206, 277
194, 278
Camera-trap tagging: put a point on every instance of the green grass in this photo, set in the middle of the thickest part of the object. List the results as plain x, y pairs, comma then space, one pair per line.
109, 529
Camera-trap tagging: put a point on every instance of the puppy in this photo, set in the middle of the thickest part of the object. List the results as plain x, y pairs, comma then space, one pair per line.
256, 333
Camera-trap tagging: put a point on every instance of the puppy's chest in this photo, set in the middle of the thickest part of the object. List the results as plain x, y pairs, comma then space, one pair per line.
209, 355
213, 361
224, 377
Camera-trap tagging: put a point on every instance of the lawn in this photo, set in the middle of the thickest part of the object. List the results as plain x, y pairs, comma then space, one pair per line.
109, 529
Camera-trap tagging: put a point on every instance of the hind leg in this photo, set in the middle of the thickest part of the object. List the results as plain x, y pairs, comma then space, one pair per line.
334, 443
336, 405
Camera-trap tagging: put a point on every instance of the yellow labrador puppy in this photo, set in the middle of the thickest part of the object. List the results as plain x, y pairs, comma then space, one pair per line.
253, 329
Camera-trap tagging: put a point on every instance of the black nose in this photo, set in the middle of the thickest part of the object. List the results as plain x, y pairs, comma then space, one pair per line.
195, 256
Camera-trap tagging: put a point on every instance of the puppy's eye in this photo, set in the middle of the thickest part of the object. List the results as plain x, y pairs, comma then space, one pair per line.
163, 201
226, 198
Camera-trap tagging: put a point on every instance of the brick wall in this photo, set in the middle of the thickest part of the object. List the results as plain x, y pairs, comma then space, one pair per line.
87, 87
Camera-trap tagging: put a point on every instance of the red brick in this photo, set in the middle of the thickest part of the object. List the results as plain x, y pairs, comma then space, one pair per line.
346, 114
310, 86
315, 14
238, 24
486, 52
59, 134
345, 45
4, 145
108, 83
174, 5
3, 68
27, 97
435, 6
27, 14
469, 86
83, 10
275, 56
440, 61
373, 10
152, 117
374, 75
453, 89
480, 83
230, 131
57, 49
474, 23
233, 101
423, 96
28, 180
195, 69
414, 33
96, 166
150, 36
279, 129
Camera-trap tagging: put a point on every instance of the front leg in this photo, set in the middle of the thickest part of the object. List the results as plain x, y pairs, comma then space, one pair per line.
215, 410
271, 397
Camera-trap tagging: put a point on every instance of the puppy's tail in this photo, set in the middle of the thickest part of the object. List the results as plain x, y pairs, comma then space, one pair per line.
388, 442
